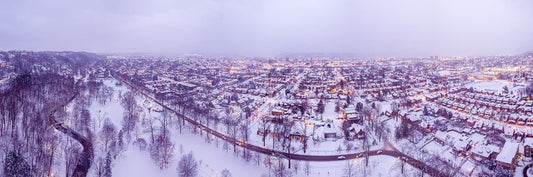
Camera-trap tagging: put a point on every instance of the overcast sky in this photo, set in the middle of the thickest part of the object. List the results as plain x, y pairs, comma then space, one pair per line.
266, 28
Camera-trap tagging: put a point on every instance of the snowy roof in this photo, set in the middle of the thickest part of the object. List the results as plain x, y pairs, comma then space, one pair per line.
352, 116
350, 110
461, 143
528, 141
330, 128
485, 150
508, 152
356, 127
413, 118
477, 138
440, 135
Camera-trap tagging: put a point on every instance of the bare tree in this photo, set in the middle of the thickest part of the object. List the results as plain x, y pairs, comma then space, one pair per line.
82, 116
280, 170
381, 130
286, 131
71, 151
181, 119
131, 113
233, 135
108, 134
100, 117
256, 157
233, 127
107, 167
268, 161
264, 126
152, 128
366, 150
99, 166
105, 93
349, 169
302, 128
187, 166
277, 135
225, 173
245, 134
307, 168
161, 150
402, 165
209, 117
395, 110
227, 120
16, 165
296, 166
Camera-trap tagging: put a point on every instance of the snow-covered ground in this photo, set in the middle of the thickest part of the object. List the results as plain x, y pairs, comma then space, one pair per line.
211, 160
380, 165
112, 109
495, 85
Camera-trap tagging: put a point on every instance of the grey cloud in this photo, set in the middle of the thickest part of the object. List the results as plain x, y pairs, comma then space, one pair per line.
377, 28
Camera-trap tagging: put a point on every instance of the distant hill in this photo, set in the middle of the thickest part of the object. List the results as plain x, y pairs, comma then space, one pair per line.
27, 60
322, 55
73, 57
528, 53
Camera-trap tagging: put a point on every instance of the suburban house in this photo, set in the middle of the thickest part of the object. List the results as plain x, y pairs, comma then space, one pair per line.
507, 156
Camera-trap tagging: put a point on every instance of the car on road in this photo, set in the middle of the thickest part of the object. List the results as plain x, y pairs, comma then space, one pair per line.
341, 157
379, 152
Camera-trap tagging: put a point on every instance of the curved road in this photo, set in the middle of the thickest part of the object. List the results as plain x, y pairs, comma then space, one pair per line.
524, 172
416, 163
84, 161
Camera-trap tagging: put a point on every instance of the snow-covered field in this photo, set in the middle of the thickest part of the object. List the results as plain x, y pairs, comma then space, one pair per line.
380, 165
495, 85
211, 160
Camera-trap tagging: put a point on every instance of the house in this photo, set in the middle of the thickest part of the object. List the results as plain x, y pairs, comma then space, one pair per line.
330, 131
353, 118
432, 97
528, 144
350, 110
356, 131
483, 152
461, 144
297, 136
440, 137
458, 141
507, 156
277, 112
